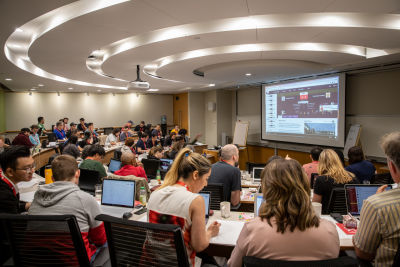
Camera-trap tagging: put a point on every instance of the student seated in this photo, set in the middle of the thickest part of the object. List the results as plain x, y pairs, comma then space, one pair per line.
287, 227
59, 132
94, 160
42, 129
71, 147
141, 146
227, 173
175, 148
175, 130
362, 169
82, 126
129, 146
177, 201
112, 138
312, 167
156, 153
130, 166
332, 174
64, 197
71, 130
95, 135
124, 134
151, 142
65, 122
378, 233
22, 139
3, 145
87, 140
157, 131
170, 139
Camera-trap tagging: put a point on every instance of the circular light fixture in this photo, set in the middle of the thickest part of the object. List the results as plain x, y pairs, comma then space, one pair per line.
211, 85
40, 85
8, 79
70, 88
248, 74
98, 90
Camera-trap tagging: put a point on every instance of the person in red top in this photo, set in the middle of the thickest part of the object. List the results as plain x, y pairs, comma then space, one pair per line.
23, 138
130, 166
312, 167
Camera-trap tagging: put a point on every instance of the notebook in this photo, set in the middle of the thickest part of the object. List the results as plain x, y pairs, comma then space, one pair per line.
258, 200
165, 163
118, 197
257, 174
356, 194
114, 166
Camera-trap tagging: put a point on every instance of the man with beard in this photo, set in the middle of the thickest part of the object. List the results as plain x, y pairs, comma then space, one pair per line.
227, 173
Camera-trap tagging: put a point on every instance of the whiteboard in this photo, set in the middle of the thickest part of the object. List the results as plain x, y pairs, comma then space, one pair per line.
240, 133
353, 138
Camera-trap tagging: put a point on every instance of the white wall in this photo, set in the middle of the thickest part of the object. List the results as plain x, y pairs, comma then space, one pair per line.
224, 114
210, 119
103, 110
196, 116
249, 109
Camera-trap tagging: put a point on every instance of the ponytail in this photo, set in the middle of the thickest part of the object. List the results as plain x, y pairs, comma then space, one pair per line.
185, 163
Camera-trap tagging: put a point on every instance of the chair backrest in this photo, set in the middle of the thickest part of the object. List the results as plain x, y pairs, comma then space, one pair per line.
217, 194
151, 166
108, 130
337, 201
382, 178
88, 179
144, 244
396, 260
341, 261
313, 177
44, 240
117, 154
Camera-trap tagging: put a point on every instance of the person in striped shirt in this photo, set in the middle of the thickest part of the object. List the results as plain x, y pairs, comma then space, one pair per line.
378, 234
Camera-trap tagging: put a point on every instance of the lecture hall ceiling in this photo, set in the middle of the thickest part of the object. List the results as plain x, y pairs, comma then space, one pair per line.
95, 45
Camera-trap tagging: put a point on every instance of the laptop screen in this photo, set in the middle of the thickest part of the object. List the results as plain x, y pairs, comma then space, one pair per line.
206, 196
165, 163
356, 194
257, 203
257, 174
118, 193
114, 166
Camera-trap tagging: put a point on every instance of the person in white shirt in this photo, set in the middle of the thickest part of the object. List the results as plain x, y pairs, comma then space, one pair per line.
112, 138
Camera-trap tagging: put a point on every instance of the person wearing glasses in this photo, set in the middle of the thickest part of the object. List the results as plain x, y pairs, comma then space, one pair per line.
94, 160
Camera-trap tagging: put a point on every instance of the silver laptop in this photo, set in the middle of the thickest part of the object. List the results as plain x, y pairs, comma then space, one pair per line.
257, 174
258, 200
118, 197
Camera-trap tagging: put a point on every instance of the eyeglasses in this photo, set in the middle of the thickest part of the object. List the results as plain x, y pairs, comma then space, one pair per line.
28, 169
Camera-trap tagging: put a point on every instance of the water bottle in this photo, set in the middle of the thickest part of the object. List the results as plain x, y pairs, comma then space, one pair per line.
158, 176
143, 196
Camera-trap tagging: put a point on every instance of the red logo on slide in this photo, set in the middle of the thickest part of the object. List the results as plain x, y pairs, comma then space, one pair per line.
304, 96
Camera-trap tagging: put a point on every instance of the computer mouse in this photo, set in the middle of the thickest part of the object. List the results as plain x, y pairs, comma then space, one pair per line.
127, 215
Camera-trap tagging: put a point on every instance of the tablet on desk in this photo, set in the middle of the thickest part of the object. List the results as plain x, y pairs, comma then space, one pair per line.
258, 200
207, 199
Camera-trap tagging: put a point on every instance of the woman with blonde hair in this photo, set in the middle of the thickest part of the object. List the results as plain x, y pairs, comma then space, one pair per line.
287, 227
177, 201
331, 174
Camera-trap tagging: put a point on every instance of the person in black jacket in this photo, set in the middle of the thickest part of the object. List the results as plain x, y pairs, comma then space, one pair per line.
17, 166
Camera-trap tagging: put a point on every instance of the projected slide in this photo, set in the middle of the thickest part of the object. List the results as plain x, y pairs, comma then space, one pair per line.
304, 109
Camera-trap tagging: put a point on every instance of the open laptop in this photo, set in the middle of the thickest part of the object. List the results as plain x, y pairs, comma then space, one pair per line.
258, 200
165, 163
207, 199
257, 174
118, 197
114, 165
356, 194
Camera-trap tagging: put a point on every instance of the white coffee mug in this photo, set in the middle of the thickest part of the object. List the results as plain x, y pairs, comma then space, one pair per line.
225, 207
317, 208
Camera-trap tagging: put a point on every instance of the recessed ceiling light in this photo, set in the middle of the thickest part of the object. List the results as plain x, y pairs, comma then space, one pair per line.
153, 90
33, 89
98, 90
211, 84
70, 88
18, 30
41, 85
8, 79
248, 74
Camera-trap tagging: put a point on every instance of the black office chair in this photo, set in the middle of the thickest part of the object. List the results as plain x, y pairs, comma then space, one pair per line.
396, 260
382, 178
7, 141
341, 261
108, 130
337, 201
52, 137
217, 194
144, 244
44, 240
150, 167
88, 179
117, 154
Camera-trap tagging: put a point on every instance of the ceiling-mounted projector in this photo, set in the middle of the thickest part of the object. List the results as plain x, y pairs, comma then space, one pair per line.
138, 83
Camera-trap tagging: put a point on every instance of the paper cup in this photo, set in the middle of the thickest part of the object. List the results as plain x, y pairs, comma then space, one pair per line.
317, 208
